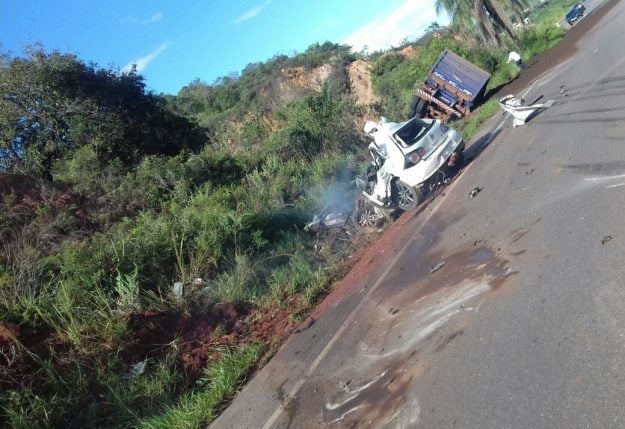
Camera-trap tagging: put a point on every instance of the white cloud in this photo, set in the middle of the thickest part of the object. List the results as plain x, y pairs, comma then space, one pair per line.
409, 20
251, 13
144, 61
325, 26
143, 22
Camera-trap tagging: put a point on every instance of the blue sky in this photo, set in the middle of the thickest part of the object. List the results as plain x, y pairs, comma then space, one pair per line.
174, 42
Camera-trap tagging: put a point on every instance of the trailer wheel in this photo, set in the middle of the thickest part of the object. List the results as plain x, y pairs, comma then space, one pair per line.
418, 108
406, 197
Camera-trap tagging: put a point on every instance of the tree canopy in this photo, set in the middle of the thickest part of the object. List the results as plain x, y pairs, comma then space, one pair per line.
483, 18
53, 103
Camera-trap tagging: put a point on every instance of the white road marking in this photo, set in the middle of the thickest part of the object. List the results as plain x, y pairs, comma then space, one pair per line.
602, 178
615, 186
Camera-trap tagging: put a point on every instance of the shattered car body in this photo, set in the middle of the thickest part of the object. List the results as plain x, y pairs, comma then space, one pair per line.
405, 155
327, 219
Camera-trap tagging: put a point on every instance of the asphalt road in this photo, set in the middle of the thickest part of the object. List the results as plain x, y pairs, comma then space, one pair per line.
506, 310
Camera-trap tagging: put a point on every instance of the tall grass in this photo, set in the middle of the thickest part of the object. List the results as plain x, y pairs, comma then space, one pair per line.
201, 406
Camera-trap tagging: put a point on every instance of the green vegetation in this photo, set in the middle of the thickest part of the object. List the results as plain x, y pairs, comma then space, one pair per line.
109, 195
484, 20
222, 379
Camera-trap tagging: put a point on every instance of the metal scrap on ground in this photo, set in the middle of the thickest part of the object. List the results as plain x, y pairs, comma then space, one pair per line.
475, 191
437, 267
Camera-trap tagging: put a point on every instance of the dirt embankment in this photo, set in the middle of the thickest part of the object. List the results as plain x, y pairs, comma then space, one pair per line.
360, 82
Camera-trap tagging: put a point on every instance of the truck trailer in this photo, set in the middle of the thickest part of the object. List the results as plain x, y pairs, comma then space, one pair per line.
453, 88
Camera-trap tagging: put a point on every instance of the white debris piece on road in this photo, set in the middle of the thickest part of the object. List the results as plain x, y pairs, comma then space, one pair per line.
520, 113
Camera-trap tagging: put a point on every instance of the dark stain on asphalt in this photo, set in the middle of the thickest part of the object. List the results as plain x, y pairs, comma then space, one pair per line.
605, 239
288, 404
598, 168
478, 263
518, 236
374, 398
444, 342
520, 252
375, 401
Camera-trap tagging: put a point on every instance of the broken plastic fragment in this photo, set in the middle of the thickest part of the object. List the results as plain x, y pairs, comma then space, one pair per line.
474, 192
178, 289
437, 267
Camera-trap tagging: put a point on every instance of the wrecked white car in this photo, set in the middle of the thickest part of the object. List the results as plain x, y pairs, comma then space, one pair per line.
406, 158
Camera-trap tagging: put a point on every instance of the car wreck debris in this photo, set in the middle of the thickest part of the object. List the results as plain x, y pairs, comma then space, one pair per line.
328, 219
474, 192
406, 158
437, 267
606, 239
521, 113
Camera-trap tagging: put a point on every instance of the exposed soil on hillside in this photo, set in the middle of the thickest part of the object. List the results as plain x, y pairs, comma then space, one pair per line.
360, 82
22, 198
301, 77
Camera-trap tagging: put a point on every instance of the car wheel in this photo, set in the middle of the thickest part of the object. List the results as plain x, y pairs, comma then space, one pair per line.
365, 217
406, 197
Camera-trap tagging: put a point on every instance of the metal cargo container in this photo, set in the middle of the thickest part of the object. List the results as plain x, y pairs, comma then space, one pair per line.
452, 88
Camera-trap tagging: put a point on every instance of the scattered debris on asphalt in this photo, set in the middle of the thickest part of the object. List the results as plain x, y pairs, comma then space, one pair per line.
605, 239
437, 267
305, 325
477, 242
528, 172
475, 191
519, 111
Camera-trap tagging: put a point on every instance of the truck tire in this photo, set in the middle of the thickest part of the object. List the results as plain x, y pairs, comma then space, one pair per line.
418, 108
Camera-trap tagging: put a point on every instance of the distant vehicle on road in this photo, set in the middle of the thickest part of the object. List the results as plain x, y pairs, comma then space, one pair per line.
575, 13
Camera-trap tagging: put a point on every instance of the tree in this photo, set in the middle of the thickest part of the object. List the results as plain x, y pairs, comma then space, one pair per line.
480, 17
433, 27
52, 103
